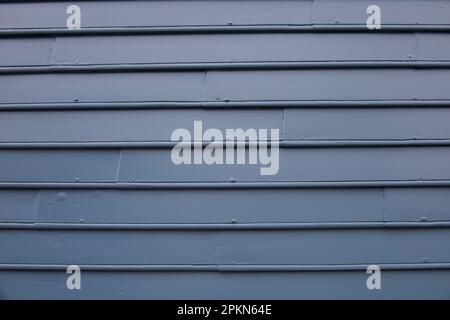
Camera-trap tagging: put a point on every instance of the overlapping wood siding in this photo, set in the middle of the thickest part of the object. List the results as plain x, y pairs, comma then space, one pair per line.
86, 178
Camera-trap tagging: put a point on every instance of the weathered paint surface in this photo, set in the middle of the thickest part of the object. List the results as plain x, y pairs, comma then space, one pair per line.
85, 170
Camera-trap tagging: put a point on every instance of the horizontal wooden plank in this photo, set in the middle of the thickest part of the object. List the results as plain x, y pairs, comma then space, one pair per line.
157, 125
280, 47
327, 164
66, 165
201, 48
25, 52
121, 125
18, 206
225, 206
427, 284
327, 85
412, 204
161, 13
157, 13
357, 124
395, 12
227, 85
176, 86
226, 247
155, 165
430, 47
208, 206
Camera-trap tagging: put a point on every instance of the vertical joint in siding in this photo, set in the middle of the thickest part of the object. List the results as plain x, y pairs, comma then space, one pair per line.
205, 79
36, 206
52, 49
118, 165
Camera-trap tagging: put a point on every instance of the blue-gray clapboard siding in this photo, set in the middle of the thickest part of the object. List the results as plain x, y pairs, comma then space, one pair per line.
85, 171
